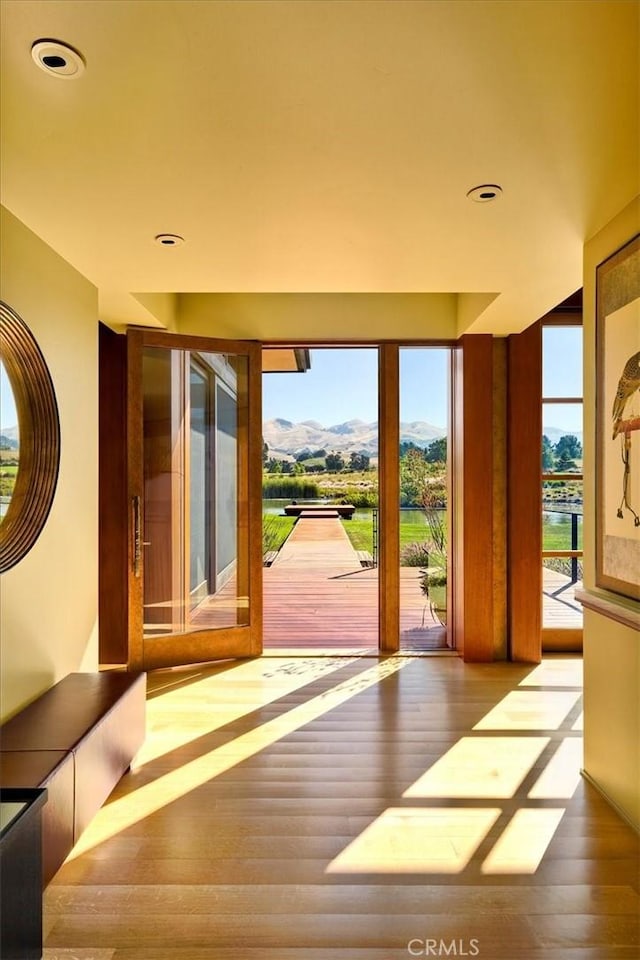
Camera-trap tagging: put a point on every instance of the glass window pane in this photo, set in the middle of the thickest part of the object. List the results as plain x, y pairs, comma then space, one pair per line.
562, 438
562, 511
562, 361
195, 565
424, 554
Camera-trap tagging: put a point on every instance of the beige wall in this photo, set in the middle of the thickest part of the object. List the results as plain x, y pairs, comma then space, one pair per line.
48, 609
611, 650
336, 316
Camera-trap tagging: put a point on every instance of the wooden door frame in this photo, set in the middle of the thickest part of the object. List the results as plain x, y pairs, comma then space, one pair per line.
389, 472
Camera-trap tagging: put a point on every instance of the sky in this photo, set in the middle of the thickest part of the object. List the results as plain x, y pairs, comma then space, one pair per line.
342, 385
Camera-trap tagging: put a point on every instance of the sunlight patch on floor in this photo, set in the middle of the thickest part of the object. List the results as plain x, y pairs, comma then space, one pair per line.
524, 841
216, 699
127, 810
417, 840
555, 672
560, 778
530, 710
480, 767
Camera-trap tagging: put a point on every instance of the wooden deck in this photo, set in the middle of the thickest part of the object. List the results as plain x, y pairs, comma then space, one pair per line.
318, 595
560, 609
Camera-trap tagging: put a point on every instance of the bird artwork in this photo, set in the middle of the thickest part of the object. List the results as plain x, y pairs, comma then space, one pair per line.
627, 385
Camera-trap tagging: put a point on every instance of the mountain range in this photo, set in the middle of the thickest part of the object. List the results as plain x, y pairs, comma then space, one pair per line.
354, 436
286, 438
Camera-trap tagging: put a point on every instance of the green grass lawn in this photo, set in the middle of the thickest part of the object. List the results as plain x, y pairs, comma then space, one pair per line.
360, 533
275, 531
557, 536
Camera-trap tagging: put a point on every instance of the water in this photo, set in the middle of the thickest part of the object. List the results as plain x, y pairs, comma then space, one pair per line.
557, 523
275, 507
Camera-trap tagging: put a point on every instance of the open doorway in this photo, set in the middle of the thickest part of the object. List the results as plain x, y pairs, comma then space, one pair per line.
322, 526
320, 500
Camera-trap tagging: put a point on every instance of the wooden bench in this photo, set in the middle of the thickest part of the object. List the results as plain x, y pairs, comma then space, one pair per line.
365, 558
316, 510
77, 740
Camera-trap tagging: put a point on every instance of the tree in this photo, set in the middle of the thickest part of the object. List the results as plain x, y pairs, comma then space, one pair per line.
265, 451
569, 444
299, 469
406, 446
318, 454
359, 461
334, 462
303, 455
414, 472
274, 466
564, 462
548, 457
436, 452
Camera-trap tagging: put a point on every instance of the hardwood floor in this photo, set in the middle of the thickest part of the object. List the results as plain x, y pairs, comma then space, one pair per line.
350, 808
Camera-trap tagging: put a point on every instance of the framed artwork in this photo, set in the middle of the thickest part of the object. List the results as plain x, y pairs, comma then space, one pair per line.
618, 421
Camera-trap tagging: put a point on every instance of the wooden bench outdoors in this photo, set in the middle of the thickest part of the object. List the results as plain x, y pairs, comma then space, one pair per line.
365, 558
77, 740
344, 510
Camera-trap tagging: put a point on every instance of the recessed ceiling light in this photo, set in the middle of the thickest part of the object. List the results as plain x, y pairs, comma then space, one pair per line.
485, 193
169, 240
58, 59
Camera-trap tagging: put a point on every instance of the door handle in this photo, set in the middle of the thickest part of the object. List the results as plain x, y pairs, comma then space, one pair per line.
137, 535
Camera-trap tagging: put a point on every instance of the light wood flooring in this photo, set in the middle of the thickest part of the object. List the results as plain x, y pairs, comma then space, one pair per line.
343, 808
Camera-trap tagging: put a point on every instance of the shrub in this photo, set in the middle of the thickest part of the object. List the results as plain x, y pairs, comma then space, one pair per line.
279, 488
415, 555
562, 565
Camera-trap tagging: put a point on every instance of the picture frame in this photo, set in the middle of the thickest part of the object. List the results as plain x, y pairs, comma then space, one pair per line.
618, 421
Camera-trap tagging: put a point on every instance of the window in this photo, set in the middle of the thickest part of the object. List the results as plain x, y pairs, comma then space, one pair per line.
562, 486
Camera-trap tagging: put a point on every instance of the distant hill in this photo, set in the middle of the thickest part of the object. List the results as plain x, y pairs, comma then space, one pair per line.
352, 436
9, 439
554, 434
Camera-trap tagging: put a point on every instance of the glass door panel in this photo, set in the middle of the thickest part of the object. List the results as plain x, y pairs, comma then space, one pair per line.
562, 487
424, 486
193, 570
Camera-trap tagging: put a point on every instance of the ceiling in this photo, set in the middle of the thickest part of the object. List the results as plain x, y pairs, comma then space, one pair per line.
324, 147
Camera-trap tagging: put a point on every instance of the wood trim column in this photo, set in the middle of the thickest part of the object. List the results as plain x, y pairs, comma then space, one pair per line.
113, 502
473, 560
254, 453
524, 502
389, 493
135, 482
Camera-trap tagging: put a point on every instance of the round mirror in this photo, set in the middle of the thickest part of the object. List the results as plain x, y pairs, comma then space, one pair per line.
29, 439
